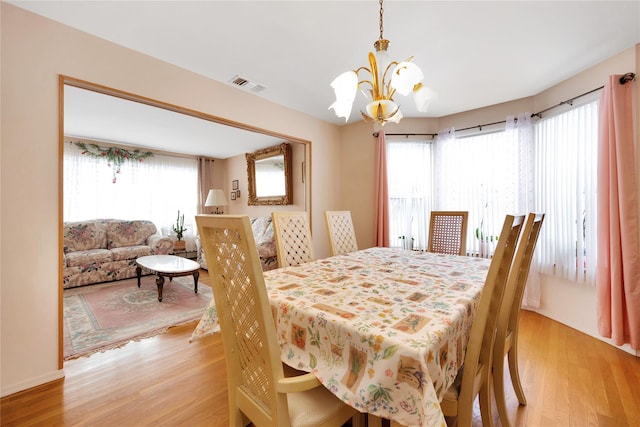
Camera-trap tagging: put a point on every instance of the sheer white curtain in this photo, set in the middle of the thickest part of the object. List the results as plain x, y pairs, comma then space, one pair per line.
565, 171
520, 129
479, 174
410, 182
443, 139
154, 189
547, 167
272, 181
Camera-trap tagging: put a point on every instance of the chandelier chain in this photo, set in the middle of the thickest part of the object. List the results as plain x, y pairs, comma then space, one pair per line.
381, 27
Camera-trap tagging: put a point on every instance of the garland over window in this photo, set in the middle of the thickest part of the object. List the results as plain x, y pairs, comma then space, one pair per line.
115, 156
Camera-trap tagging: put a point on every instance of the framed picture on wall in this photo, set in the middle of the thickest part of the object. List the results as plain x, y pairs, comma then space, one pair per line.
237, 194
233, 195
234, 184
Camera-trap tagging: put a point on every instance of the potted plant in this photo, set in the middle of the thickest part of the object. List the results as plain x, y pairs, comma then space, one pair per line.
486, 242
179, 229
406, 242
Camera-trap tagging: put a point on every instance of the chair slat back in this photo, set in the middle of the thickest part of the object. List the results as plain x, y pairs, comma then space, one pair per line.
252, 353
481, 338
293, 238
506, 341
448, 232
342, 237
510, 310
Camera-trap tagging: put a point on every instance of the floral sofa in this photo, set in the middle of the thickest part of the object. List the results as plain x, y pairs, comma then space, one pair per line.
103, 250
265, 241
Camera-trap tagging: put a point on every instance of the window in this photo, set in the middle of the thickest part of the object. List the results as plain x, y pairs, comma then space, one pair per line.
566, 148
477, 174
410, 188
547, 167
154, 189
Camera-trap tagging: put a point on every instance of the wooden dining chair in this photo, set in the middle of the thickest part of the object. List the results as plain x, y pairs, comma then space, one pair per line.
293, 238
506, 343
342, 236
259, 392
448, 232
474, 377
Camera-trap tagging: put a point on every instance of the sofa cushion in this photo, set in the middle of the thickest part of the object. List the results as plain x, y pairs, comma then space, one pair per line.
130, 252
270, 263
91, 256
84, 235
83, 275
122, 233
262, 228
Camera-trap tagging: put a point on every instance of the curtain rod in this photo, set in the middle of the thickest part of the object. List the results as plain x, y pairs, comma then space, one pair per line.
432, 135
624, 79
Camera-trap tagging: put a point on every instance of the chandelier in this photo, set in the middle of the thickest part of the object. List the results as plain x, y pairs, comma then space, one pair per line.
379, 89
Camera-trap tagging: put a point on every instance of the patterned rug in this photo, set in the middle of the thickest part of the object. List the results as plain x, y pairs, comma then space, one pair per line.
109, 315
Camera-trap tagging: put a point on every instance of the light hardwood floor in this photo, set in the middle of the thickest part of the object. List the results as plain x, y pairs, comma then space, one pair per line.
570, 379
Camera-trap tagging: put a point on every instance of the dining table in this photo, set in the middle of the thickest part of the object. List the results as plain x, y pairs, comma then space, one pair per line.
384, 329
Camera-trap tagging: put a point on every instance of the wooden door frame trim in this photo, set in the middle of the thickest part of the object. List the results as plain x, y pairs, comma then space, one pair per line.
83, 84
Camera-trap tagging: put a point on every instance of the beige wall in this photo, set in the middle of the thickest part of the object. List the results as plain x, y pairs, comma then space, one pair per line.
35, 51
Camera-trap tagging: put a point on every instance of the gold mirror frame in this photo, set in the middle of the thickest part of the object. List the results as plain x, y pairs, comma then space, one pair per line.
283, 149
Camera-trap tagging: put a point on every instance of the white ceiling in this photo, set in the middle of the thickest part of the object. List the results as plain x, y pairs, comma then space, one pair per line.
101, 117
473, 53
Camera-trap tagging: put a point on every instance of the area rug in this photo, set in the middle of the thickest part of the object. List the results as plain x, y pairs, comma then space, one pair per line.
109, 315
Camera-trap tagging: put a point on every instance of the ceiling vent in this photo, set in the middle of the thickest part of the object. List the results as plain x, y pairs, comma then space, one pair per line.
246, 84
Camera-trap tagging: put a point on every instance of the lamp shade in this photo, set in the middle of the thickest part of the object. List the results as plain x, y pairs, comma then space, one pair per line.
344, 87
405, 76
342, 108
216, 198
422, 95
384, 110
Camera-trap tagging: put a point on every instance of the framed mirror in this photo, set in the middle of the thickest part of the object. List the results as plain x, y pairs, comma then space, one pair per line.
269, 176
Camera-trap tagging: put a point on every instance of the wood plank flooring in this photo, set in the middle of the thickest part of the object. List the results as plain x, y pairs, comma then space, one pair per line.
570, 379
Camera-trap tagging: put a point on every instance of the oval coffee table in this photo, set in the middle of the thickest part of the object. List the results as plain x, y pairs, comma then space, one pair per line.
168, 266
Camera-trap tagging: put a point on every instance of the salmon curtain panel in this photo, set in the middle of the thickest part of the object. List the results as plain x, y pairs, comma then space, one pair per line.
381, 209
618, 268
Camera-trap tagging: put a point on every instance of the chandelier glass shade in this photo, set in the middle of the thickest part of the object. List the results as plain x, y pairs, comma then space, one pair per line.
380, 82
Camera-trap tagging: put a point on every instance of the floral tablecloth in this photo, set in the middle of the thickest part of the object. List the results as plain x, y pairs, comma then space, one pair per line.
383, 329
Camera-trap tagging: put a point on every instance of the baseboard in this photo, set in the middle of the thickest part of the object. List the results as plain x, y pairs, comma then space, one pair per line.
580, 314
32, 382
626, 347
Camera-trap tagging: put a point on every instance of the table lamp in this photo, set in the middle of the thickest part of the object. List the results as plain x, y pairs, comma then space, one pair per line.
216, 198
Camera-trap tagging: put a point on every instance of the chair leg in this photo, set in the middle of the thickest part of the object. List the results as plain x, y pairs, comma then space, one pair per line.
359, 420
485, 404
515, 375
237, 418
498, 390
374, 421
464, 410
